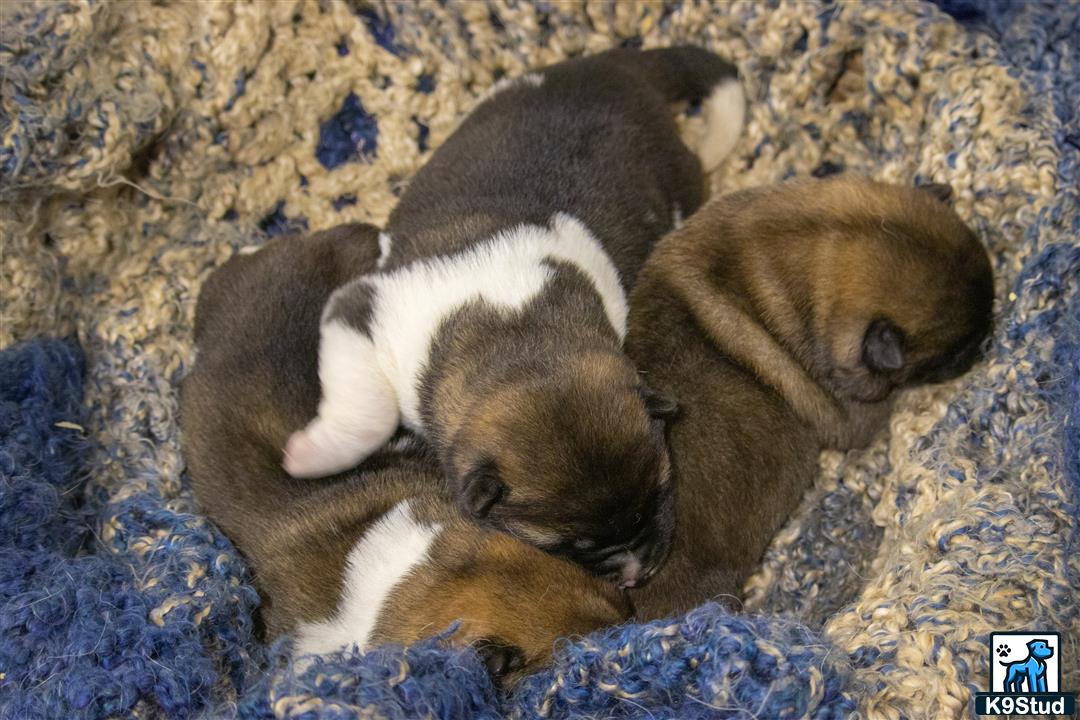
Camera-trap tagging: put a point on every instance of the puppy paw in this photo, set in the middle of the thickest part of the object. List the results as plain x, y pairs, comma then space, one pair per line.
310, 453
301, 455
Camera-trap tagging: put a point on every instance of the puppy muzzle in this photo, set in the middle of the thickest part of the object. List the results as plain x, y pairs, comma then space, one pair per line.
631, 568
630, 571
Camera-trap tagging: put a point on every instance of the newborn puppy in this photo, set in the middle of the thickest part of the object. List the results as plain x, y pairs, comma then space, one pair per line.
495, 327
380, 553
782, 319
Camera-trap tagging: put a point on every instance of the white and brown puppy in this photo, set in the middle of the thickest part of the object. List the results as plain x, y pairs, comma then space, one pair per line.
495, 327
782, 319
374, 555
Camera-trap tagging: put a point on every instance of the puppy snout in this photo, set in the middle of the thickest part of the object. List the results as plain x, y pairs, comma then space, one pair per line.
631, 568
952, 364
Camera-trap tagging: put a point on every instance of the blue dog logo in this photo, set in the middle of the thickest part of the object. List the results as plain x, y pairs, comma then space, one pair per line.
1028, 687
1031, 670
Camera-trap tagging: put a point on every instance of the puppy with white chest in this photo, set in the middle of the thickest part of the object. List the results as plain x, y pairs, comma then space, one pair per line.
495, 326
380, 553
783, 319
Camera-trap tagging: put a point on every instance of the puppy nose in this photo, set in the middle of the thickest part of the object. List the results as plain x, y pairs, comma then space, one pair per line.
631, 568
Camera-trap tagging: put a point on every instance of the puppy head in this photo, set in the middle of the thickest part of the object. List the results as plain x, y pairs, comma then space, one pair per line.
902, 290
574, 462
512, 600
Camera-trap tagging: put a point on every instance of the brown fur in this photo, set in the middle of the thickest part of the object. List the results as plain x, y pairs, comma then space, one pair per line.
504, 592
537, 417
782, 319
553, 418
540, 438
254, 380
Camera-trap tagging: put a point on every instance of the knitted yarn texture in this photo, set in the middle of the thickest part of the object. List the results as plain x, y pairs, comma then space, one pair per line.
141, 145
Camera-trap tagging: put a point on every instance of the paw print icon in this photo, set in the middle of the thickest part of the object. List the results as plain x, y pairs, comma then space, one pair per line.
1003, 650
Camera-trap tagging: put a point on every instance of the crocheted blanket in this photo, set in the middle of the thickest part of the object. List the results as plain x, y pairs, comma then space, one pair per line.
142, 144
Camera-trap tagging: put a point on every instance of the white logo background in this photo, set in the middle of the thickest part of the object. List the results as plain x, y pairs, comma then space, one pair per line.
1011, 648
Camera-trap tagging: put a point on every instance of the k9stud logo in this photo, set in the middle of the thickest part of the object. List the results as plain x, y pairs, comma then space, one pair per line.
1025, 676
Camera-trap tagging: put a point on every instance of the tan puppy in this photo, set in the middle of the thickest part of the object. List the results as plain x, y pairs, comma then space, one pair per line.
378, 554
782, 319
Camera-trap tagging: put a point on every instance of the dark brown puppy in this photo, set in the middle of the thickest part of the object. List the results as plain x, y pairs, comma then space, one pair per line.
495, 326
374, 555
782, 319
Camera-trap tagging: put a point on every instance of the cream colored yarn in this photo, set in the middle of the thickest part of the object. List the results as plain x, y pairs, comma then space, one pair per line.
906, 555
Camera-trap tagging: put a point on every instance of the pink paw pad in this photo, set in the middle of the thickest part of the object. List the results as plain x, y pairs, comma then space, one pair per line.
302, 456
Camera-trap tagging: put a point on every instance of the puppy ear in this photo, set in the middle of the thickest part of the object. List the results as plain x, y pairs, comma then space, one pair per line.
883, 346
499, 658
481, 488
659, 407
940, 191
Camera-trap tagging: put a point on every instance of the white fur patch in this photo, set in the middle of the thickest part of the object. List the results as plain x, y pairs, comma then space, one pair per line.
378, 563
385, 244
506, 271
371, 381
676, 216
725, 113
358, 411
249, 250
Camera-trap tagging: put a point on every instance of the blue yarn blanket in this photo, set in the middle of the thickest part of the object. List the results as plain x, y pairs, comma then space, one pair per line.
141, 145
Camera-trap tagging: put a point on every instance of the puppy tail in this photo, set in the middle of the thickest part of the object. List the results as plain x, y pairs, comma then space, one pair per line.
692, 74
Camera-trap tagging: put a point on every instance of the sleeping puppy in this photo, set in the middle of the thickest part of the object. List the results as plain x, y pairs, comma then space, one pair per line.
377, 554
495, 326
783, 319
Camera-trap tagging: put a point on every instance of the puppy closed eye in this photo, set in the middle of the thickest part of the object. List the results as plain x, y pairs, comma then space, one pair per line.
659, 407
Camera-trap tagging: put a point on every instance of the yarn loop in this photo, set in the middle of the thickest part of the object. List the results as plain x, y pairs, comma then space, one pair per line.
142, 144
